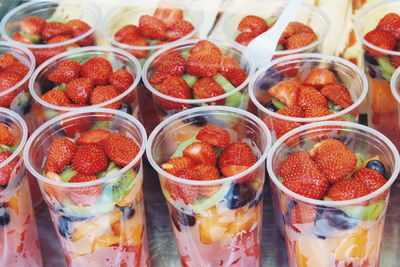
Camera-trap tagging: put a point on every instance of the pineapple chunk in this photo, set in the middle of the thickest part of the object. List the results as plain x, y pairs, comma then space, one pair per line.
301, 260
104, 241
353, 246
244, 219
13, 203
82, 230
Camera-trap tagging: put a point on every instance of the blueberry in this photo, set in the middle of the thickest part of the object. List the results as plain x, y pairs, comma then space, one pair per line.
3, 186
377, 166
180, 218
269, 105
199, 121
370, 59
4, 217
64, 226
126, 108
239, 195
128, 212
327, 219
371, 72
46, 85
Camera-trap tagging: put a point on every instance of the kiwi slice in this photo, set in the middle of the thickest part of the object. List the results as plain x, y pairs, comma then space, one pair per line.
203, 204
334, 108
5, 148
183, 145
189, 79
270, 20
349, 118
278, 104
67, 173
387, 69
60, 87
57, 19
360, 160
105, 125
366, 213
120, 185
31, 37
185, 53
233, 100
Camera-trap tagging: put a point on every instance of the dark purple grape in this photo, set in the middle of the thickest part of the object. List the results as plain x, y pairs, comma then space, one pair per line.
4, 217
180, 218
370, 59
327, 219
269, 105
377, 166
199, 121
239, 195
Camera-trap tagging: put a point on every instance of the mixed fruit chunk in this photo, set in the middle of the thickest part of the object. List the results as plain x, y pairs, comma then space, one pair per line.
296, 34
200, 72
8, 144
319, 94
164, 26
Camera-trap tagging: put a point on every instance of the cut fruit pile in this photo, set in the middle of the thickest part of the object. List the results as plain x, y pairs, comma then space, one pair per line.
90, 83
200, 72
166, 25
319, 95
8, 145
37, 30
296, 34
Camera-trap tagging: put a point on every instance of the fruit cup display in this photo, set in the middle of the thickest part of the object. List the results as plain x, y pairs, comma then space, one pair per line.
198, 73
304, 88
47, 29
332, 188
104, 77
19, 242
378, 28
149, 26
304, 34
210, 162
92, 185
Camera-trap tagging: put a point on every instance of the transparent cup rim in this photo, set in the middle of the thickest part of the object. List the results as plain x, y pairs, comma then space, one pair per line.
111, 14
233, 45
357, 23
83, 111
355, 201
228, 19
179, 115
301, 56
77, 51
393, 84
11, 14
24, 135
32, 63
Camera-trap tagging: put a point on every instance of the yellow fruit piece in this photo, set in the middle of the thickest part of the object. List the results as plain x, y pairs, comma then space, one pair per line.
14, 204
83, 230
104, 241
134, 235
116, 227
134, 196
212, 227
244, 219
353, 246
301, 260
115, 216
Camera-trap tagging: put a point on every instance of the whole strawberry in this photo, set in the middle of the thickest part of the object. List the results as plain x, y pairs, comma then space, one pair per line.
103, 93
152, 27
254, 24
371, 178
172, 65
179, 29
127, 32
8, 80
80, 89
121, 79
120, 148
32, 25
174, 86
338, 94
206, 88
310, 97
54, 28
6, 137
97, 68
347, 189
59, 155
89, 160
214, 135
232, 70
56, 97
65, 72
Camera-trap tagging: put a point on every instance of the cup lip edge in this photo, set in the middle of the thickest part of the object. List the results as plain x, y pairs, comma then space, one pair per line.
86, 111
113, 50
357, 29
395, 78
220, 181
232, 45
332, 203
357, 103
24, 129
31, 66
297, 50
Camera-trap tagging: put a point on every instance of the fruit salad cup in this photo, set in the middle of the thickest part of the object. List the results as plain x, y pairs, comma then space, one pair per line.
48, 28
395, 86
198, 73
99, 77
19, 242
149, 25
304, 88
93, 185
333, 189
304, 34
377, 27
217, 220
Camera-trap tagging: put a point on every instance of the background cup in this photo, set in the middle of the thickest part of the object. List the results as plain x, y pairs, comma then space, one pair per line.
226, 226
342, 232
395, 87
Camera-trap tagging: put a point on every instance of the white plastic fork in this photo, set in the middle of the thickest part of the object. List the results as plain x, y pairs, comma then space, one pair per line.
263, 46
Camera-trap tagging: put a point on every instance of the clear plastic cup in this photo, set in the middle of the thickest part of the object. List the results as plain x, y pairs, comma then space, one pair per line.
47, 9
345, 72
307, 14
237, 97
382, 106
395, 87
128, 14
224, 227
341, 233
38, 83
95, 230
19, 241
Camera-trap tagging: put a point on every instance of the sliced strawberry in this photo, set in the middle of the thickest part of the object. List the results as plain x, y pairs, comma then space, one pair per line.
7, 171
92, 137
18, 37
214, 135
138, 41
207, 172
231, 170
206, 88
60, 155
293, 28
84, 195
338, 94
74, 127
176, 164
286, 68
169, 15
319, 78
43, 54
334, 159
390, 23
201, 153
286, 91
32, 25
120, 148
54, 28
244, 38
89, 159
310, 97
303, 213
97, 68
179, 29
17, 68
56, 97
302, 176
127, 32
80, 89
347, 189
172, 65
6, 137
395, 61
300, 40
317, 111
281, 126
65, 72
237, 153
121, 79
103, 93
7, 59
203, 64
232, 70
381, 39
8, 80
79, 27
372, 179
252, 24
152, 27
205, 47
61, 38
179, 191
174, 86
